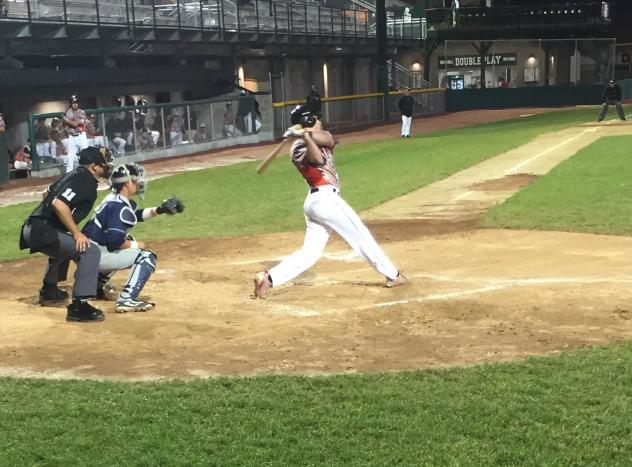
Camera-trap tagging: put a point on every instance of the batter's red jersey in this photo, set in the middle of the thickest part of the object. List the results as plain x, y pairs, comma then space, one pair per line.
315, 175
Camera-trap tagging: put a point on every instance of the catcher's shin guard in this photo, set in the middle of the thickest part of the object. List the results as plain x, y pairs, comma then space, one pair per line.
144, 266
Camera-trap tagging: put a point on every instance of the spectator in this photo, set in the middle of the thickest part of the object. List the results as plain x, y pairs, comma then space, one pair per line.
455, 13
75, 124
3, 125
145, 141
45, 147
245, 111
59, 137
502, 83
313, 102
202, 134
119, 133
93, 132
22, 159
4, 9
406, 104
229, 122
258, 118
150, 125
176, 128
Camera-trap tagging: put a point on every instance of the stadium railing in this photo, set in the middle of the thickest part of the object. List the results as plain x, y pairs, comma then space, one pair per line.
272, 17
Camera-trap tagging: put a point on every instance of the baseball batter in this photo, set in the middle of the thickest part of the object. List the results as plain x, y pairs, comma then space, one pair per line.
325, 210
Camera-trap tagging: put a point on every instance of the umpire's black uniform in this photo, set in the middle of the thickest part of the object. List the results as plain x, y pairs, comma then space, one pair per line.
45, 232
612, 96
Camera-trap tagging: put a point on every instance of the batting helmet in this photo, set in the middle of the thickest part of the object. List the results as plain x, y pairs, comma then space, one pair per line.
73, 99
303, 116
97, 155
128, 173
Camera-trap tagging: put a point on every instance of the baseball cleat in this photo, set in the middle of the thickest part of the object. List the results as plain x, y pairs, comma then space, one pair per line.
50, 296
262, 284
399, 280
129, 304
106, 292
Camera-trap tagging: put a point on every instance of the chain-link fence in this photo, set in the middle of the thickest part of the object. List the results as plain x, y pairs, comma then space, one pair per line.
150, 131
520, 63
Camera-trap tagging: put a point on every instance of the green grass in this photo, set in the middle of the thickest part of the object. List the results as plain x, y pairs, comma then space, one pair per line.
571, 409
589, 192
233, 200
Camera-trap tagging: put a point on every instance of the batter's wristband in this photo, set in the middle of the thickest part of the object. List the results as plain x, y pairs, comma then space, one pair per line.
134, 244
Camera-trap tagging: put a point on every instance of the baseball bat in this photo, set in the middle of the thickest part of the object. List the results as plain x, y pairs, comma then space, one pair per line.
270, 157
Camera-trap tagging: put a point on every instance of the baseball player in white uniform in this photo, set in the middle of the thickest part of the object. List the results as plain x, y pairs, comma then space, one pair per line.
325, 210
75, 123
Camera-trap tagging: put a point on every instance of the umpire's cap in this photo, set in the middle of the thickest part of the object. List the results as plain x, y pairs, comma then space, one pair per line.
302, 115
97, 155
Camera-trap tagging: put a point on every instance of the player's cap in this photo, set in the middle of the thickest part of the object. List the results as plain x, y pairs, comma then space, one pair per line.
302, 115
97, 155
128, 173
73, 99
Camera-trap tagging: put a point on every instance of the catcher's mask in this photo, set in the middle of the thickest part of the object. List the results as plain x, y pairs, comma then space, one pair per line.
129, 173
303, 116
97, 155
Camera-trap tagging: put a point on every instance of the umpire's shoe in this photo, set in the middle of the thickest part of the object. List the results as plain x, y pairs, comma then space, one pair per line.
82, 311
50, 295
124, 305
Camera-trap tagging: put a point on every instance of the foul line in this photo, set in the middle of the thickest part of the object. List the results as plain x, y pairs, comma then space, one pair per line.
514, 169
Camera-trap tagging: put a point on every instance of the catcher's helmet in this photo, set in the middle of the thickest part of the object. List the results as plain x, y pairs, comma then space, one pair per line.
73, 99
303, 116
97, 155
128, 173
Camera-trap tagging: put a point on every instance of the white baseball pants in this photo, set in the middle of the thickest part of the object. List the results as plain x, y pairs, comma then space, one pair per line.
76, 143
325, 211
119, 146
406, 122
47, 149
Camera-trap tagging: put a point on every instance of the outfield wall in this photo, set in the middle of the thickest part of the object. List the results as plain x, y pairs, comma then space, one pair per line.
505, 98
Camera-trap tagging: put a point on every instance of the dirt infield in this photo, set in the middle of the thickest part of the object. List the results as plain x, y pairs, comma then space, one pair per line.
475, 295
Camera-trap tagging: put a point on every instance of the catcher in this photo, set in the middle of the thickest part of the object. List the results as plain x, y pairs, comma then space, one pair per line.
117, 214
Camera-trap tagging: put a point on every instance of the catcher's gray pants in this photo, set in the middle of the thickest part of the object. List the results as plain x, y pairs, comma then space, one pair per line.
141, 262
59, 256
607, 104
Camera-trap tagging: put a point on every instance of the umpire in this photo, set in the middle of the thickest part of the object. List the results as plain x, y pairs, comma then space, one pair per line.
612, 95
52, 229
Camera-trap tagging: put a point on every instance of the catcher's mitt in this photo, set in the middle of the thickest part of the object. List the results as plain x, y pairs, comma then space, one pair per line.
170, 206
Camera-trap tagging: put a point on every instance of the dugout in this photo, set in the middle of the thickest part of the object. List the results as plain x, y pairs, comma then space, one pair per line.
4, 159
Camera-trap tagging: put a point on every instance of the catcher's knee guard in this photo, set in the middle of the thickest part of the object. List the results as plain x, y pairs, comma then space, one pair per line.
144, 266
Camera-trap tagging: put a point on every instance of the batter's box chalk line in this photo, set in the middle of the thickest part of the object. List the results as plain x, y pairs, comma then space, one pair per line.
493, 284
